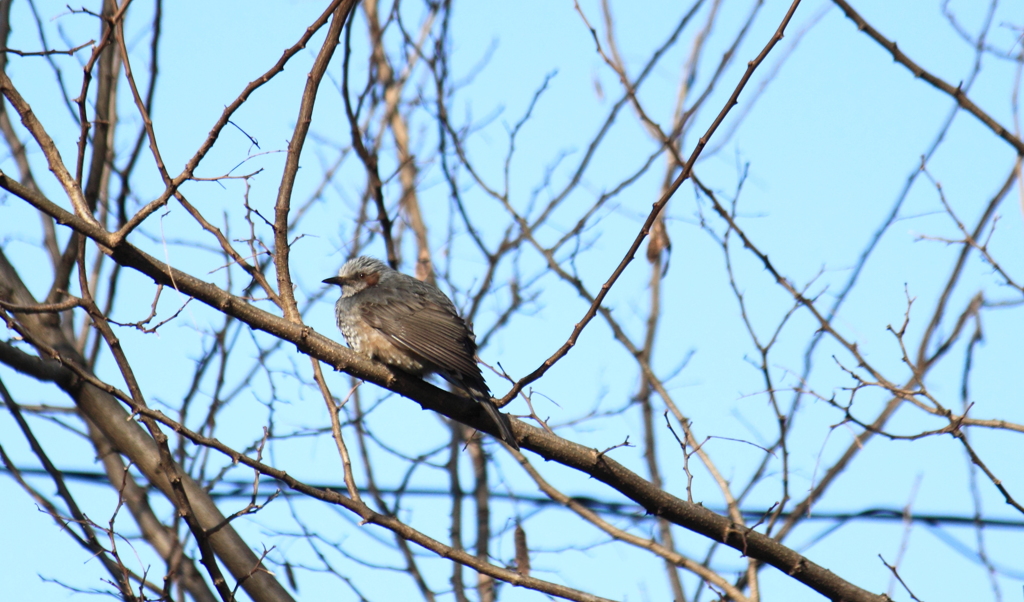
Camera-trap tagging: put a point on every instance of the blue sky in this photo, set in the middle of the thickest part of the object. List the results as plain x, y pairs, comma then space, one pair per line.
815, 163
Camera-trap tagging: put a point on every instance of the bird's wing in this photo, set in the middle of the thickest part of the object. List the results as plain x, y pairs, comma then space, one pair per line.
429, 330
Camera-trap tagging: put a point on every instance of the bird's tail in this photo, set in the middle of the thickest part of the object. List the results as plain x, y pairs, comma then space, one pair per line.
500, 419
479, 393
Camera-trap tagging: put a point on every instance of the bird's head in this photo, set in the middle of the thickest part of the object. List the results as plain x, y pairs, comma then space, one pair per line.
358, 275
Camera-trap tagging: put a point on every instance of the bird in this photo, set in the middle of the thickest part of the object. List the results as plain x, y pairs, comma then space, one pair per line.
412, 326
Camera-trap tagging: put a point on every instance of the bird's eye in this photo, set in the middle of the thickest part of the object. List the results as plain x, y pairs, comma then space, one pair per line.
360, 276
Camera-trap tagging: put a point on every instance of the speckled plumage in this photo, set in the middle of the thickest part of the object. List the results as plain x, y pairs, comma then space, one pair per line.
410, 325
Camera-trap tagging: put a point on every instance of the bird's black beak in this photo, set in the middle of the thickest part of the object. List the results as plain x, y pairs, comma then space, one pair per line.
333, 280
